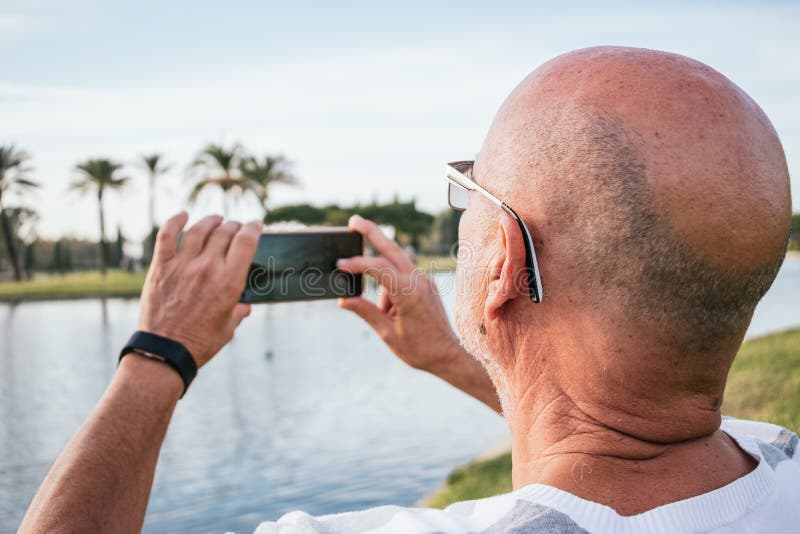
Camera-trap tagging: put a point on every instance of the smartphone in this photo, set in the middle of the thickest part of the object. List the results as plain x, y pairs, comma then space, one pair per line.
302, 266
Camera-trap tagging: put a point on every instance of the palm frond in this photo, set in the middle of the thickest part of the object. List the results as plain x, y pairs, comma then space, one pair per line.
98, 174
116, 183
273, 169
154, 163
81, 186
219, 157
198, 188
12, 158
13, 168
218, 166
24, 182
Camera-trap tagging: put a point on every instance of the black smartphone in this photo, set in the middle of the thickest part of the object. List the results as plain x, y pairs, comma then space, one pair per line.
302, 266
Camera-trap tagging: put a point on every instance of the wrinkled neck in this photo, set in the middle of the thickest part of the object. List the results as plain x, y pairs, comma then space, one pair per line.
599, 440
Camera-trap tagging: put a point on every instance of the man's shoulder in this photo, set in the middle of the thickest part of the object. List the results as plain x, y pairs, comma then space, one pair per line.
775, 443
543, 509
502, 513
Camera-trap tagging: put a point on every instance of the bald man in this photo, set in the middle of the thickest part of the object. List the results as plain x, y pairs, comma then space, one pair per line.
624, 216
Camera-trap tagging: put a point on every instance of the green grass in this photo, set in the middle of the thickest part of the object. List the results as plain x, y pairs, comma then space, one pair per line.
116, 283
475, 480
435, 264
764, 384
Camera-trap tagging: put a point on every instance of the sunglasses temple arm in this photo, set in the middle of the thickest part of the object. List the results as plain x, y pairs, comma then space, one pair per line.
531, 267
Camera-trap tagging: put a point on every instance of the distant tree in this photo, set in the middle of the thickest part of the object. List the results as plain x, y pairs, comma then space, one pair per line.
407, 220
303, 213
338, 216
220, 167
444, 232
261, 175
13, 178
99, 175
22, 221
794, 232
119, 248
57, 264
154, 163
30, 260
61, 256
149, 245
404, 216
66, 256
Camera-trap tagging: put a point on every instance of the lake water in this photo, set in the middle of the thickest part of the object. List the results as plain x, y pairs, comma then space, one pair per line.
305, 409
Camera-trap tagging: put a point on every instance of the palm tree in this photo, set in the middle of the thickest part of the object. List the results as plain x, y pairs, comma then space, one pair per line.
13, 178
99, 175
155, 167
219, 167
261, 175
23, 227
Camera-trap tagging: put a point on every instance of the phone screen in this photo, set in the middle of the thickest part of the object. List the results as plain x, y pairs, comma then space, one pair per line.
302, 266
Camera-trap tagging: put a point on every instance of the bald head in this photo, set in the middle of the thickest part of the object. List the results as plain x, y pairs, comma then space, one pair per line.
653, 185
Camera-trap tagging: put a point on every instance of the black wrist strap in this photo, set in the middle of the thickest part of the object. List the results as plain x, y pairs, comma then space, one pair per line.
164, 350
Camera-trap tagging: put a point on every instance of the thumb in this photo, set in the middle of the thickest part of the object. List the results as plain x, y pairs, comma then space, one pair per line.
369, 312
240, 312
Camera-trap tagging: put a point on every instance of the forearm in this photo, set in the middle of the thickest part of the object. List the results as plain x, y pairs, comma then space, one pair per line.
464, 372
101, 481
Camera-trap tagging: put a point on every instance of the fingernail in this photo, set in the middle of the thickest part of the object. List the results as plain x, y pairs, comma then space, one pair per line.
357, 217
340, 262
255, 223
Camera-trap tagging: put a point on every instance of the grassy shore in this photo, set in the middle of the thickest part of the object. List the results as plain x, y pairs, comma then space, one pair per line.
436, 264
119, 283
88, 284
764, 384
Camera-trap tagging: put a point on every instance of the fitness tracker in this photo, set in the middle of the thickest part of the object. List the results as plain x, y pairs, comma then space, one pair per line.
164, 350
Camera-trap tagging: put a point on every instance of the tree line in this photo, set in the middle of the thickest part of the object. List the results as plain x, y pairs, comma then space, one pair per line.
413, 227
229, 169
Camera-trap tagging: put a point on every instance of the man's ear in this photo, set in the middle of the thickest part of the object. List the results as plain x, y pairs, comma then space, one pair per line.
507, 268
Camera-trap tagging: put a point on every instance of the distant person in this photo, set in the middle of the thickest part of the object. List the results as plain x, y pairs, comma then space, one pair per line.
657, 195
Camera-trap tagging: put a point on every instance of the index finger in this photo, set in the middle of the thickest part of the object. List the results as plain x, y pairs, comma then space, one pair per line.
167, 237
387, 247
242, 249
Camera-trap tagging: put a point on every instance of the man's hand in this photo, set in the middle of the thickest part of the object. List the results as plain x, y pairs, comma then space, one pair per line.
191, 294
409, 316
101, 481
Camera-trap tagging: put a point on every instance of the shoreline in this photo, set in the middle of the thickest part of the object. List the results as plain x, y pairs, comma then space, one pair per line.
61, 297
80, 285
77, 285
494, 450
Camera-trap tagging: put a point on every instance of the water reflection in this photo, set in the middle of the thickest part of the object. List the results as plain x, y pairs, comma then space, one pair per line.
304, 409
330, 422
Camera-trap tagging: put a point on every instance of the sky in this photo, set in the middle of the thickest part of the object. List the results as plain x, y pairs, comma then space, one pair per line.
368, 99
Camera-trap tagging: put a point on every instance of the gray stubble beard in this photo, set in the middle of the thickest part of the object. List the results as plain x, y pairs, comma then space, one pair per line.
468, 326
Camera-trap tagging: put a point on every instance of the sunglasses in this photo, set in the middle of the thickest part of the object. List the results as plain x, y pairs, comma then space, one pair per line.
459, 181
